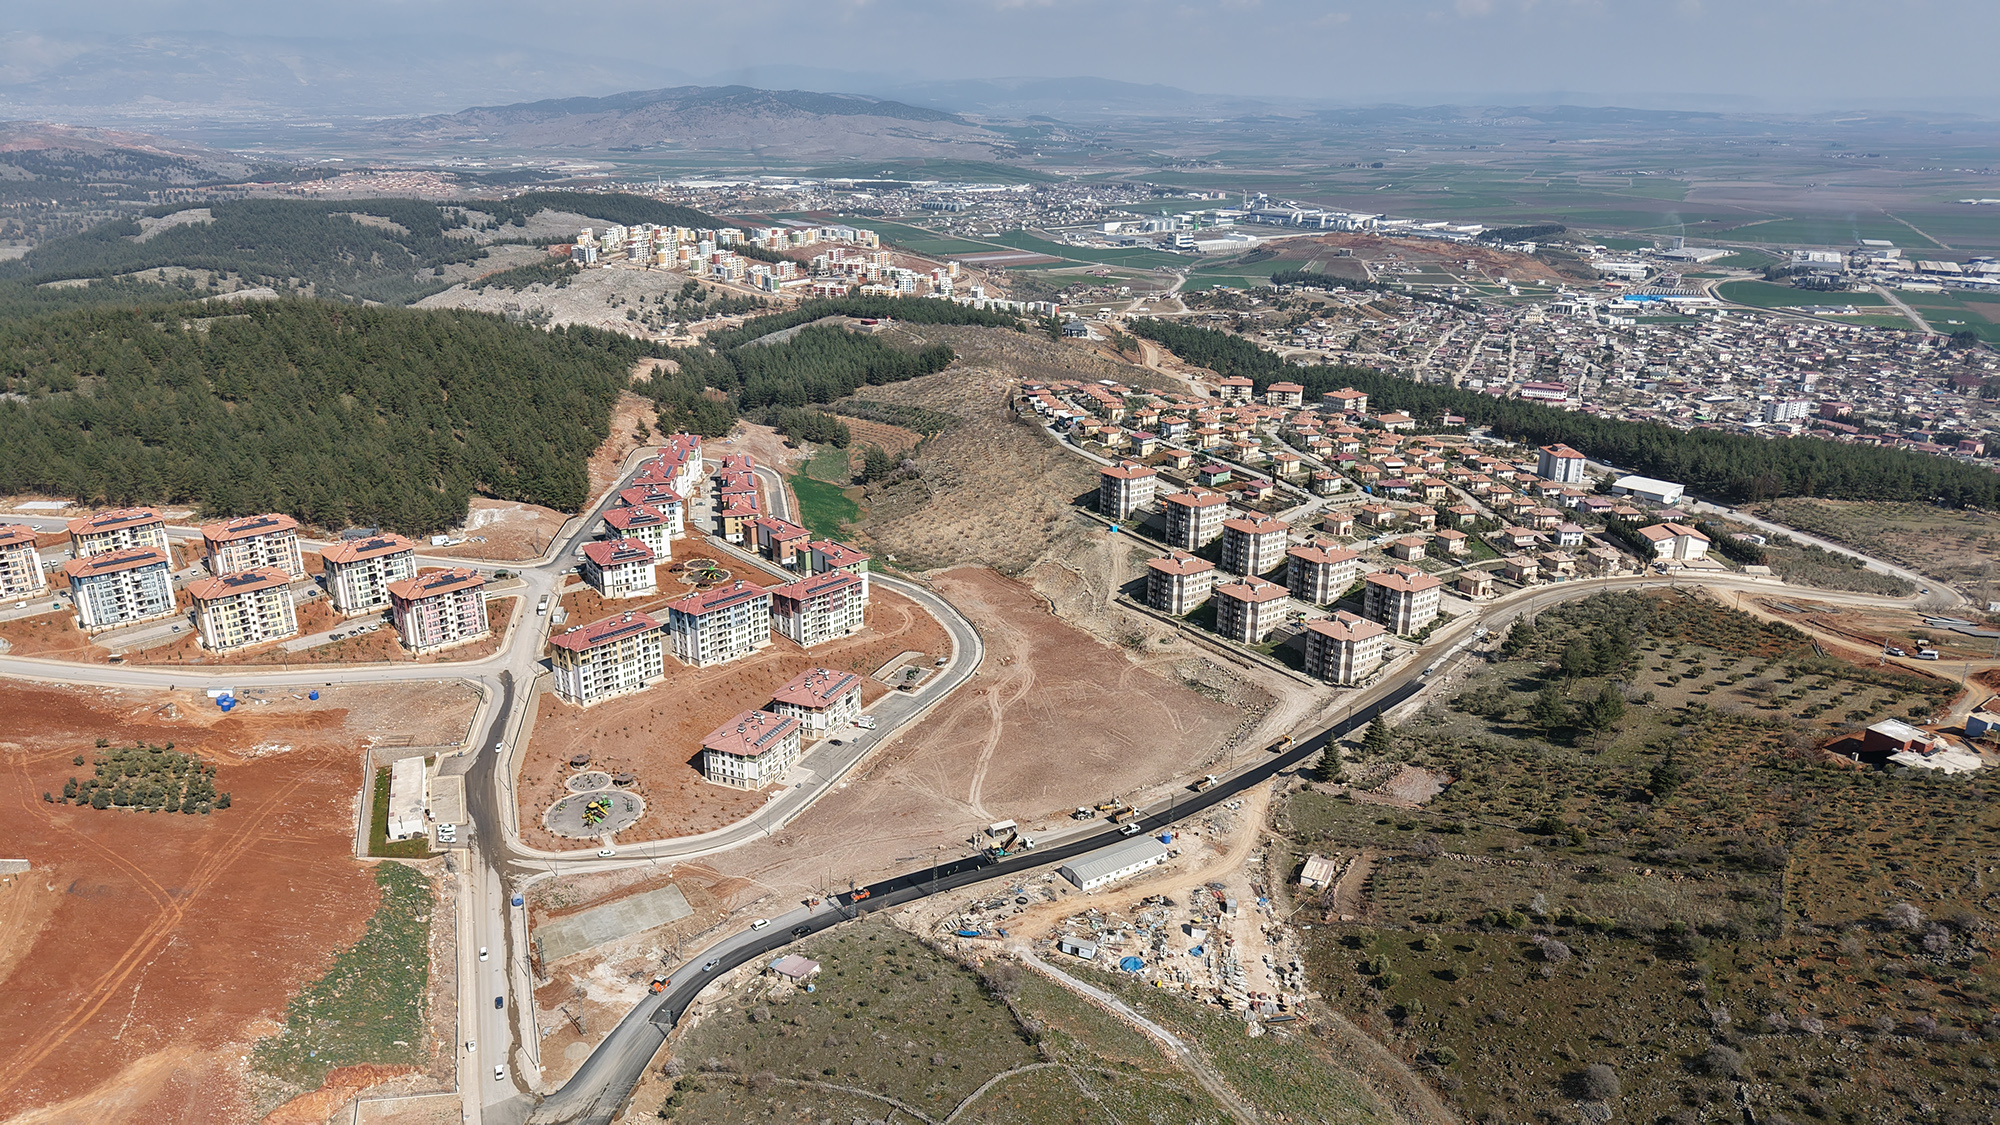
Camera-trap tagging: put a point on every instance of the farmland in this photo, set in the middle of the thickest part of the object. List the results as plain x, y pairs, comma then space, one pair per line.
1764, 295
1952, 545
1646, 865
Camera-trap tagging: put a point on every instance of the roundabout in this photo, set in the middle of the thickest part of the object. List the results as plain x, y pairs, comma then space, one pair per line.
601, 812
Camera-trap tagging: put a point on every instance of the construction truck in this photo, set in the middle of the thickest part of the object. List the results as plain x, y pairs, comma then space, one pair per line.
1111, 804
1207, 781
659, 985
1123, 813
1281, 745
1003, 848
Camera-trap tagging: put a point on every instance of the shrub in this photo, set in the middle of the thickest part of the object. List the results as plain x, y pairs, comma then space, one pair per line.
1720, 1062
1903, 916
1596, 1082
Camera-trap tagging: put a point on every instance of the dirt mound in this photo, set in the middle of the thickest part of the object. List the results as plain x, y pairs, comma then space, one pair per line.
340, 1086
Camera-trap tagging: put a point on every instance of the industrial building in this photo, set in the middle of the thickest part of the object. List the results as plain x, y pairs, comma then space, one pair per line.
360, 571
242, 609
1108, 865
121, 587
618, 655
1662, 492
720, 625
408, 794
254, 543
439, 609
751, 750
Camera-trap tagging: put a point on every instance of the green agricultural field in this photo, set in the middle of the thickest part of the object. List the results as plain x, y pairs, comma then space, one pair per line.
1950, 312
1827, 230
1765, 295
369, 1007
1143, 259
918, 240
824, 507
1645, 864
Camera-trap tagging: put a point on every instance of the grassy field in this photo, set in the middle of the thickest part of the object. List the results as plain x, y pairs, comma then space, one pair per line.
894, 1026
824, 507
1962, 547
1959, 312
1683, 892
379, 844
1764, 295
1828, 230
1142, 259
369, 1007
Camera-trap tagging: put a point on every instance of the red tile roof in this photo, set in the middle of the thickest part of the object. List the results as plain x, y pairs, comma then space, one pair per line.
436, 582
131, 558
244, 527
613, 628
242, 582
371, 547
114, 520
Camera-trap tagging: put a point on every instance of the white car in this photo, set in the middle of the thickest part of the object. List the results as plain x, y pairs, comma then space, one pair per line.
500, 1074
482, 953
760, 923
606, 853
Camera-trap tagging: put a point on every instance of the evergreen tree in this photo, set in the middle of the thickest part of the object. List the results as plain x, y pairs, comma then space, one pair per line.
1549, 711
1379, 740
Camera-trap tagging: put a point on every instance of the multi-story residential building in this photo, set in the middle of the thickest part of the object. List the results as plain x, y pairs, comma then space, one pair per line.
819, 608
117, 530
1343, 649
1559, 463
1194, 519
1786, 409
1178, 582
1347, 400
1319, 573
826, 555
439, 609
620, 568
1253, 544
1125, 487
359, 572
21, 572
720, 625
254, 543
1675, 542
647, 524
245, 608
781, 541
1403, 598
751, 750
1285, 394
620, 654
661, 497
121, 587
1248, 609
1237, 389
822, 700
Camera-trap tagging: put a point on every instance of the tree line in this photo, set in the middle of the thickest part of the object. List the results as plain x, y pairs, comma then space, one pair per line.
333, 414
1725, 466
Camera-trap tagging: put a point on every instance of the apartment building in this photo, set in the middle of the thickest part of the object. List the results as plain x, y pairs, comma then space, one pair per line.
1344, 649
1253, 544
826, 555
121, 587
781, 541
657, 495
620, 654
120, 529
21, 572
1125, 487
751, 750
439, 609
1178, 582
1285, 394
359, 572
254, 543
1248, 609
822, 700
1559, 463
819, 608
242, 609
620, 568
720, 625
1347, 400
645, 523
1403, 598
1675, 542
1194, 519
1319, 573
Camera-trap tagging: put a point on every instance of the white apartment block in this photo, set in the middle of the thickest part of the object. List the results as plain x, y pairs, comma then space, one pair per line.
1248, 609
821, 699
660, 497
1123, 488
1402, 598
254, 543
720, 625
1344, 649
122, 587
646, 523
242, 609
607, 658
359, 572
751, 751
1674, 542
1194, 519
439, 609
1253, 544
1318, 573
826, 555
117, 530
21, 572
1559, 463
819, 608
620, 568
1346, 400
1178, 582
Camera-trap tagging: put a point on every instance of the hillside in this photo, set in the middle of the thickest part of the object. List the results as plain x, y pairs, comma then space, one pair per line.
336, 415
802, 125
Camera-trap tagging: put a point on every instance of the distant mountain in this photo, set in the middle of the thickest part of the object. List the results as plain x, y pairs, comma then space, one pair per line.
39, 152
1074, 98
737, 120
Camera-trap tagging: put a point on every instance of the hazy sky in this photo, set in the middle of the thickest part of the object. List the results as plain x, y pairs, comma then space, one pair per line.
1781, 52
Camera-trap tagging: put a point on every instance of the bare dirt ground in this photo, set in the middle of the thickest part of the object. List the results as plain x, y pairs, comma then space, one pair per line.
599, 298
1055, 718
55, 636
144, 952
657, 733
504, 530
634, 423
